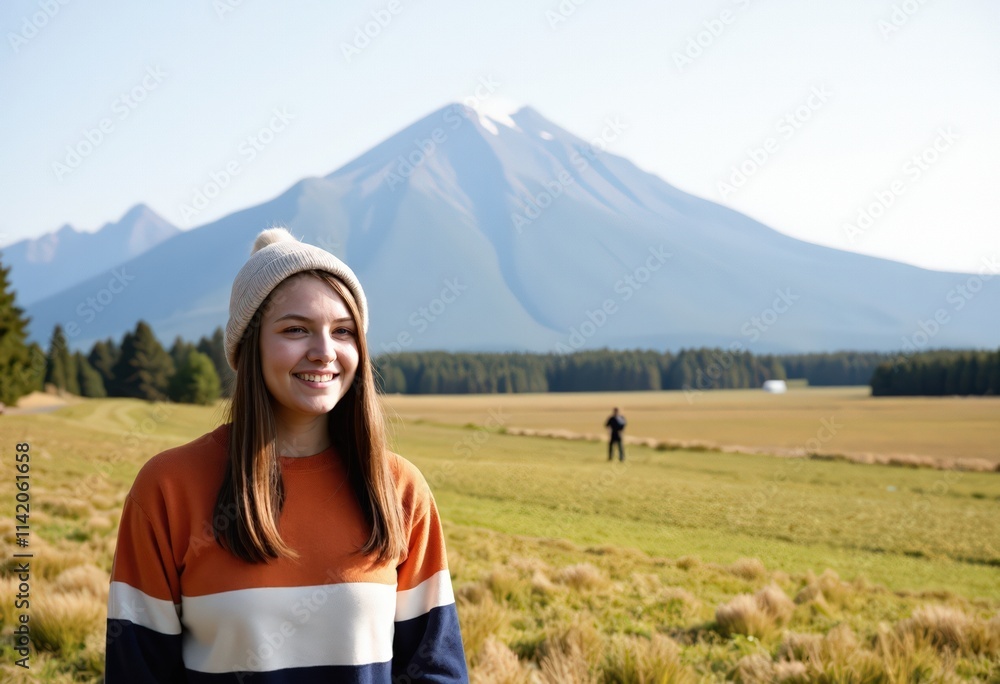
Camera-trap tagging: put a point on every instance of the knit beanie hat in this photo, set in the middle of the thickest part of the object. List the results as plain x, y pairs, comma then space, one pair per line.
276, 254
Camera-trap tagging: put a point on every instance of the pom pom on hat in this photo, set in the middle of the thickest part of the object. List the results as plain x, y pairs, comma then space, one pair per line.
276, 255
269, 237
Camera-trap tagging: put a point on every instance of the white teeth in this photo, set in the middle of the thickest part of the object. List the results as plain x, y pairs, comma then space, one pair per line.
314, 378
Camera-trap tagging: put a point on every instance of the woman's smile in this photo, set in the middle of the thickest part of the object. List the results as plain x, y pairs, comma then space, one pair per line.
318, 380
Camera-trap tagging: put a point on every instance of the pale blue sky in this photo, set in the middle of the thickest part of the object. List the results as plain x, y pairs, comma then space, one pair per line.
889, 96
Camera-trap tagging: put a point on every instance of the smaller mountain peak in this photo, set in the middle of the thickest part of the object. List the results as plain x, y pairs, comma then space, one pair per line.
527, 110
529, 117
138, 211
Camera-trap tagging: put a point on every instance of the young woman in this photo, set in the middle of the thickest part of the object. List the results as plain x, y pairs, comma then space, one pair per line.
288, 544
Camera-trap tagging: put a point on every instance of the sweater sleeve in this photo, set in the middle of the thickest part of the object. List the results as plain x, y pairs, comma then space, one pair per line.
143, 628
427, 642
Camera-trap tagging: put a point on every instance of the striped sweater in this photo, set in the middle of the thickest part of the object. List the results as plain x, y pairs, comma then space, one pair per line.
182, 609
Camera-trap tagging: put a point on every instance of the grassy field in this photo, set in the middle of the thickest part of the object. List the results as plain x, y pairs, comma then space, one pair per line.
672, 566
940, 427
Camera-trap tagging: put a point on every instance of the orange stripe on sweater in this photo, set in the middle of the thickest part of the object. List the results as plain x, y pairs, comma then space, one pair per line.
167, 524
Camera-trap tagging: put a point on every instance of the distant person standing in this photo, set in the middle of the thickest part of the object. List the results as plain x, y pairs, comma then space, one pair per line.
616, 423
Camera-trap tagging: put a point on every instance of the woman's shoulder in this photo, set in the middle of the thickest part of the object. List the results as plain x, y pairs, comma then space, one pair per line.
186, 467
410, 481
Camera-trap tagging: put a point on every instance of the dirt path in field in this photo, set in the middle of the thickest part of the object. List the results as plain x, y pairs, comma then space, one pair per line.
39, 402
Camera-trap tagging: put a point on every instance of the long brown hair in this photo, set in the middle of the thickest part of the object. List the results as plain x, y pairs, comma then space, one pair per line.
252, 492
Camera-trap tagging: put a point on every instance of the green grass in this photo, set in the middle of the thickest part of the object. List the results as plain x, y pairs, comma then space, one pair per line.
909, 529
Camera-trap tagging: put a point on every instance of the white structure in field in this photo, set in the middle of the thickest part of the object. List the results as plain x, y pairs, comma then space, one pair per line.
775, 386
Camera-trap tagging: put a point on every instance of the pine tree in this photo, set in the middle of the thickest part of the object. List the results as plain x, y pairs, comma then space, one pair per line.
90, 380
179, 351
19, 372
102, 358
392, 380
144, 368
60, 369
195, 381
215, 348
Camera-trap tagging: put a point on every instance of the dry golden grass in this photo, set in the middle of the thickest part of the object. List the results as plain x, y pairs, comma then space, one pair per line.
688, 562
748, 568
481, 620
947, 628
83, 579
656, 660
580, 639
743, 615
757, 615
495, 663
62, 622
581, 576
566, 664
895, 430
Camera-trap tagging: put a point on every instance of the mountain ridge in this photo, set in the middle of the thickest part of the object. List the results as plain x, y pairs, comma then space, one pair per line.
51, 263
438, 202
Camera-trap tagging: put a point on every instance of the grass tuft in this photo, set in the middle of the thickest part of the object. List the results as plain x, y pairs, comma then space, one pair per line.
62, 622
757, 615
582, 576
748, 568
495, 663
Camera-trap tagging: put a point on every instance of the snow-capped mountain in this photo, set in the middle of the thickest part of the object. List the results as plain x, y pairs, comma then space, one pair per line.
478, 232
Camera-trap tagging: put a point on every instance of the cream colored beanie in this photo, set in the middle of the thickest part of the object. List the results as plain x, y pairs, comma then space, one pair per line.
276, 255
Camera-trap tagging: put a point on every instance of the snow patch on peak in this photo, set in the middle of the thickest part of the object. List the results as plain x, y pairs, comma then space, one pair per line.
488, 124
545, 135
495, 110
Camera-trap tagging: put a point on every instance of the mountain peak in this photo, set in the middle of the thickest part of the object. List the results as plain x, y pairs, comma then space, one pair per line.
136, 212
495, 110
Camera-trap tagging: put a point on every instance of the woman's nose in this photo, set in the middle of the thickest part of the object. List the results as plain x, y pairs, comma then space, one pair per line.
324, 348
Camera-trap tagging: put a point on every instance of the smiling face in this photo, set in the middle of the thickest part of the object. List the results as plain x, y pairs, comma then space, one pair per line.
308, 349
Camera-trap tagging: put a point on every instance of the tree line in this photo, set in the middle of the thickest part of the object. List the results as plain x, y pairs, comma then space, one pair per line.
939, 373
614, 370
137, 367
